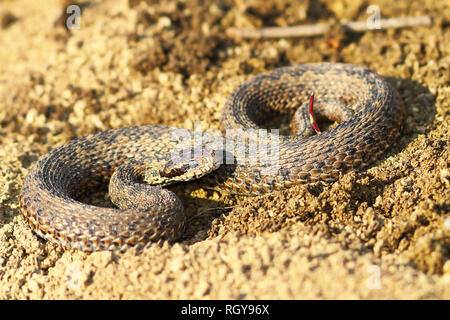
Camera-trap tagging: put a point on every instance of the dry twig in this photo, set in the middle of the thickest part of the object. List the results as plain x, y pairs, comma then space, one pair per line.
324, 28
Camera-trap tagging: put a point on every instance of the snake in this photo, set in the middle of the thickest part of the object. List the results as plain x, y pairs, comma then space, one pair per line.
138, 161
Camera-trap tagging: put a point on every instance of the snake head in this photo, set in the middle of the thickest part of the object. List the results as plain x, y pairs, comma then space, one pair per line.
193, 163
175, 169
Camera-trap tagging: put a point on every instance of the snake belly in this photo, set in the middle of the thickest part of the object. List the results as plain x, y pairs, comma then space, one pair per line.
50, 190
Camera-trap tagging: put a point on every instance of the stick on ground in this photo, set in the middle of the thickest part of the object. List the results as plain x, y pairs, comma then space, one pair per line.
323, 28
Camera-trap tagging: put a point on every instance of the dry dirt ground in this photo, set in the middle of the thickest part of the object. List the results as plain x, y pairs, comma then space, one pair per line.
380, 233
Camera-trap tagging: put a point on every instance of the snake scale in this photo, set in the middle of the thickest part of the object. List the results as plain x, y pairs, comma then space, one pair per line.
368, 109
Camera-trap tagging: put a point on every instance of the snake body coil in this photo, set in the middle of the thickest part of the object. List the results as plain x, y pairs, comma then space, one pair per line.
368, 108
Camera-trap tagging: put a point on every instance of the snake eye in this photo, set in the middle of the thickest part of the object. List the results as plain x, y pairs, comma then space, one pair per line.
193, 164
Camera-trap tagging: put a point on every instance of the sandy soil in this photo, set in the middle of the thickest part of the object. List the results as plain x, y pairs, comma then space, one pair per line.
380, 233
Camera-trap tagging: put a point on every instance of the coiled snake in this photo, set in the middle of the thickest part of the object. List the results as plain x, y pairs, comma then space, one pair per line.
369, 110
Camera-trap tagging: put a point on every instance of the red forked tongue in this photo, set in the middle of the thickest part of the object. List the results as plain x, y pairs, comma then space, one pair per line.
311, 114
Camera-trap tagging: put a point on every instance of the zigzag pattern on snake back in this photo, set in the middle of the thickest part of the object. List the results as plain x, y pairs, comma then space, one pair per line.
370, 120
